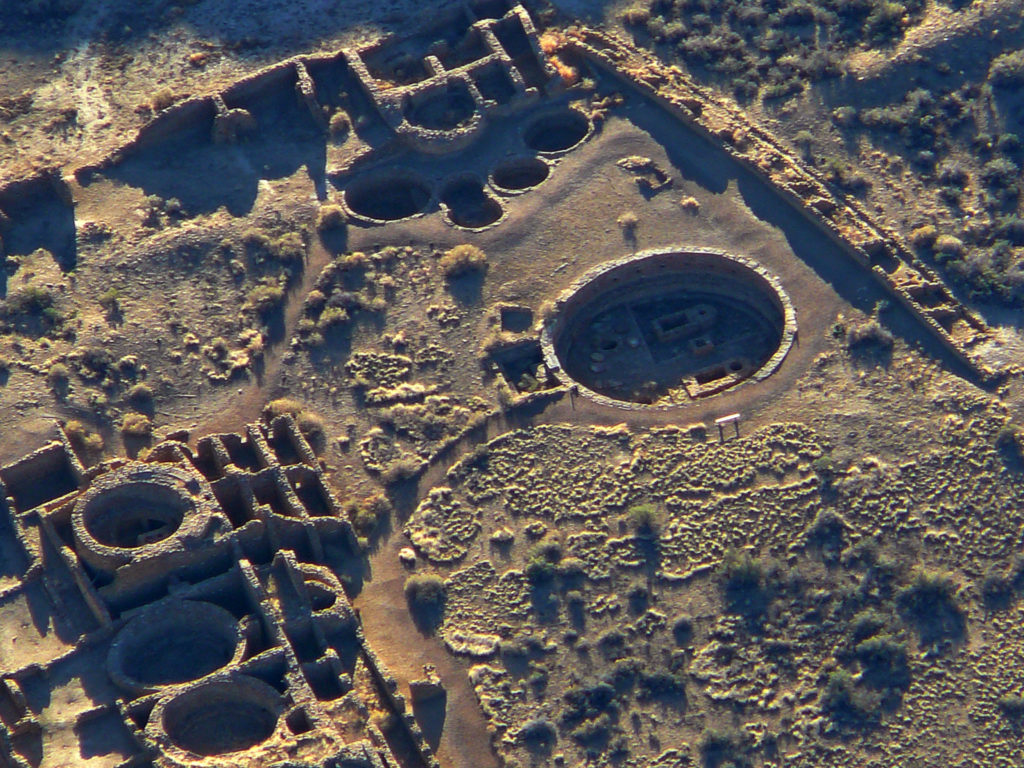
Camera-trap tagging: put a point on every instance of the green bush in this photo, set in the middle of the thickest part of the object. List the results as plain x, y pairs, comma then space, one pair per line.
645, 518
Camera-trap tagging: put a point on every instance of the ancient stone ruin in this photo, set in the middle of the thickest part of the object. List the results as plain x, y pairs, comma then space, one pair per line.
199, 597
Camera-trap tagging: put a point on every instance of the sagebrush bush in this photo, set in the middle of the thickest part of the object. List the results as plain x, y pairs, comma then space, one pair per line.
462, 260
425, 590
136, 425
330, 217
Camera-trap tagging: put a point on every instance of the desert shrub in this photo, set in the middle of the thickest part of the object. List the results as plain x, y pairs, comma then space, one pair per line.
929, 603
587, 702
883, 660
136, 425
644, 517
743, 583
870, 333
660, 685
635, 16
369, 515
846, 704
266, 295
1010, 442
1000, 173
462, 260
339, 124
826, 535
628, 222
162, 99
425, 591
719, 747
1012, 707
538, 733
682, 630
542, 561
1007, 70
310, 424
330, 217
110, 299
140, 393
82, 439
402, 470
57, 374
997, 589
949, 246
31, 300
332, 317
924, 237
824, 466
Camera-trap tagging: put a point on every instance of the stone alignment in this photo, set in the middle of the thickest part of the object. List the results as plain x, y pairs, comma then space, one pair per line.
199, 594
667, 326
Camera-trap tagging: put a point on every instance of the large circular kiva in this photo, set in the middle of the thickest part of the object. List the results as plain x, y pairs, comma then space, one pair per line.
173, 643
220, 716
665, 327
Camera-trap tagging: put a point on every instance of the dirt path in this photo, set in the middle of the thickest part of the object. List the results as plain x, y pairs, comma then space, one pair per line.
255, 393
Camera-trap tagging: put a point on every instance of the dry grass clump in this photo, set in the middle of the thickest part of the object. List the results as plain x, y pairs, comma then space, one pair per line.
83, 439
628, 222
425, 590
339, 124
1007, 70
330, 217
136, 425
162, 99
141, 393
310, 424
462, 260
869, 333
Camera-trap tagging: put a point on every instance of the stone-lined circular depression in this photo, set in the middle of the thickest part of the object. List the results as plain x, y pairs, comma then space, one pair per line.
135, 514
557, 131
666, 327
177, 643
444, 109
469, 205
388, 197
519, 174
222, 716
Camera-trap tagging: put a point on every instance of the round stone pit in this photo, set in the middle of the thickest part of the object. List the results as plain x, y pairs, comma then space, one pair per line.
667, 327
217, 717
174, 643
